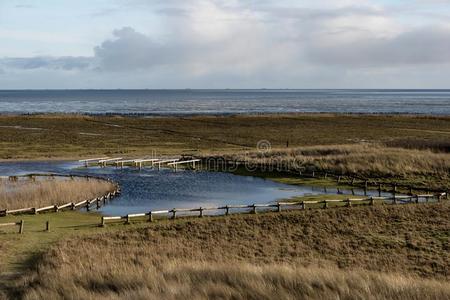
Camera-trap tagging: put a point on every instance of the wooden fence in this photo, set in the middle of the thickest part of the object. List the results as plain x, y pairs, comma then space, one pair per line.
20, 224
98, 202
278, 207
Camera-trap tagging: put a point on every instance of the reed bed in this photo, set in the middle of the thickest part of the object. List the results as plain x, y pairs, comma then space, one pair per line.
45, 192
364, 160
382, 252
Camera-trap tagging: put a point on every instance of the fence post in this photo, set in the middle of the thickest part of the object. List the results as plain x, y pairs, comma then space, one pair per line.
47, 226
349, 203
150, 216
254, 209
325, 204
278, 207
201, 212
394, 192
103, 222
227, 210
371, 201
174, 213
88, 204
127, 220
303, 205
21, 224
72, 206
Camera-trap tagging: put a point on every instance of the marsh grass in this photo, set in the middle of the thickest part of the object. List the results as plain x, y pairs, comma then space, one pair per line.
424, 167
382, 252
45, 192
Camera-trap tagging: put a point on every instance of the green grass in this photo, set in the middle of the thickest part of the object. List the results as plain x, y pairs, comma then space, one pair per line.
18, 249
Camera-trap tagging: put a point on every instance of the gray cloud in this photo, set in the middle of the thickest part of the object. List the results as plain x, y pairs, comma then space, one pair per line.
46, 62
422, 46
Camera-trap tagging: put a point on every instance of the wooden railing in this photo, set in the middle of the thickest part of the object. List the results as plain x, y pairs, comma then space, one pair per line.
98, 202
172, 213
20, 224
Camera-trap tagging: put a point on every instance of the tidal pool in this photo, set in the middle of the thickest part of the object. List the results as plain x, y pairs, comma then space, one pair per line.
150, 189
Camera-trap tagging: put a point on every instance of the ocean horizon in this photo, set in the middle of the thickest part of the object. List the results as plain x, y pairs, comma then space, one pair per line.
225, 101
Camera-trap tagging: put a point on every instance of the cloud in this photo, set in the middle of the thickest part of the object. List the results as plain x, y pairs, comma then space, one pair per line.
130, 50
429, 45
257, 43
67, 63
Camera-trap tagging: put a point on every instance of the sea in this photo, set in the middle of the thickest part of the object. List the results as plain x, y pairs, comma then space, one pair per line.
223, 102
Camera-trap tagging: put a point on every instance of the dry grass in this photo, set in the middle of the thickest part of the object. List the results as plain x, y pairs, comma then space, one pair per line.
337, 253
45, 192
367, 160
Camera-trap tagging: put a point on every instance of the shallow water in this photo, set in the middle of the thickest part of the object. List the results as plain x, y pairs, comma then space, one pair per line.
150, 189
182, 102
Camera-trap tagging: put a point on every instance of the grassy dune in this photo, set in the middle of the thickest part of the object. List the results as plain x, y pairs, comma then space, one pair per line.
348, 253
45, 192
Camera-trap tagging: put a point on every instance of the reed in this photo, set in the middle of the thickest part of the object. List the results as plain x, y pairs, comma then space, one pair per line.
44, 192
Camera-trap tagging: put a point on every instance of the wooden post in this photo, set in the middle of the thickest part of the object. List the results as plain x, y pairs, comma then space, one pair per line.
150, 216
56, 208
127, 220
303, 205
325, 204
201, 212
379, 189
394, 191
88, 208
103, 222
21, 224
278, 207
372, 202
174, 214
227, 210
98, 202
254, 209
72, 206
349, 203
47, 226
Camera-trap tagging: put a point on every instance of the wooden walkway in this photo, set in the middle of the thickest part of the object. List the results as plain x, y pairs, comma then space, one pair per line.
140, 163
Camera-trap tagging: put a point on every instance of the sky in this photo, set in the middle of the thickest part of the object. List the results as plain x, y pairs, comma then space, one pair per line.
57, 44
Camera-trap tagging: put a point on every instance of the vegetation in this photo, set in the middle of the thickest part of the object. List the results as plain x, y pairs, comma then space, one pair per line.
383, 252
26, 193
71, 136
415, 167
344, 253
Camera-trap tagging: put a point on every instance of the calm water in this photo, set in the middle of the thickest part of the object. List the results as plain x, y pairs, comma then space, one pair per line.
153, 190
166, 102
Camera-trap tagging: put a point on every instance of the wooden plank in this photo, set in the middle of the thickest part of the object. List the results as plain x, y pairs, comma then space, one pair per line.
183, 162
110, 160
22, 210
136, 215
93, 159
52, 207
113, 218
8, 224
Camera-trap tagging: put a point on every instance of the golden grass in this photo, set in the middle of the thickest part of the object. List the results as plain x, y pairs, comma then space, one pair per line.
45, 192
344, 253
366, 160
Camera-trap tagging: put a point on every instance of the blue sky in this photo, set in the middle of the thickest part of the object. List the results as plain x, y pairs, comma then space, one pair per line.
225, 44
